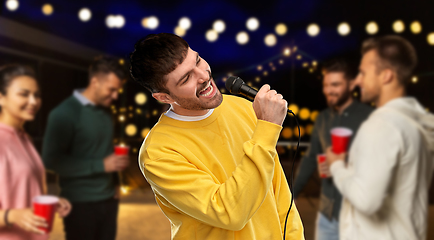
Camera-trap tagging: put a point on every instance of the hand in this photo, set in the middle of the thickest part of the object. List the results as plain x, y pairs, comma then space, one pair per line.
27, 220
332, 157
270, 106
63, 207
114, 163
324, 168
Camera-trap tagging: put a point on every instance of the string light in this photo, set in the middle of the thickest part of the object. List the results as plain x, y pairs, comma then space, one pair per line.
281, 29
313, 30
84, 14
184, 23
242, 38
211, 35
179, 31
252, 24
270, 40
151, 22
416, 27
12, 5
47, 9
398, 26
372, 28
430, 38
344, 29
219, 26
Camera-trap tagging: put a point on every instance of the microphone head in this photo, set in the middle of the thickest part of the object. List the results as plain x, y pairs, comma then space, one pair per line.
233, 84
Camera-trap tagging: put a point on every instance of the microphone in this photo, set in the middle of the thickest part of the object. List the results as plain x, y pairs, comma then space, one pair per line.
236, 85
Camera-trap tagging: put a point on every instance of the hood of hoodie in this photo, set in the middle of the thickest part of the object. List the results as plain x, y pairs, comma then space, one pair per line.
410, 107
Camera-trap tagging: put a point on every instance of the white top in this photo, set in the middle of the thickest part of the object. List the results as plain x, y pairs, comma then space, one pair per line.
170, 113
385, 183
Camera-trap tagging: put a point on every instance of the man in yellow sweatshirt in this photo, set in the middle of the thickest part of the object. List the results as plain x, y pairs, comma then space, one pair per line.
211, 160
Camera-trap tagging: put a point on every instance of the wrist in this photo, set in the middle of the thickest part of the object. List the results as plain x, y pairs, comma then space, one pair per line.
8, 217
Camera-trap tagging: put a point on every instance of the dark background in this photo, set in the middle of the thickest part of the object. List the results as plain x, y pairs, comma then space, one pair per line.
61, 69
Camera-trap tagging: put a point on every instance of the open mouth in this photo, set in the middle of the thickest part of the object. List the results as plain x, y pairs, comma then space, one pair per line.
207, 90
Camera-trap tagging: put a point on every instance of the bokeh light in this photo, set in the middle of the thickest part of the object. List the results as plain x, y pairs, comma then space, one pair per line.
270, 40
219, 26
294, 108
47, 9
371, 28
115, 21
430, 38
151, 22
12, 5
252, 24
314, 115
242, 38
304, 114
281, 29
313, 30
179, 31
145, 132
344, 29
416, 27
184, 23
398, 26
141, 98
286, 132
84, 14
131, 129
309, 129
211, 35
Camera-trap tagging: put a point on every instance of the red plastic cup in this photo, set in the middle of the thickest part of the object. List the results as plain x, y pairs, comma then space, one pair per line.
321, 158
122, 150
45, 206
340, 138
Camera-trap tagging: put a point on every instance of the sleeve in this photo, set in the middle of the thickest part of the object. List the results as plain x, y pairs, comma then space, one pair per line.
365, 183
56, 153
294, 226
309, 163
228, 205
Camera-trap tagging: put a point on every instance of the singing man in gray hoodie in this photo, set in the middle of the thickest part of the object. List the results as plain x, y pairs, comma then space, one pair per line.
385, 182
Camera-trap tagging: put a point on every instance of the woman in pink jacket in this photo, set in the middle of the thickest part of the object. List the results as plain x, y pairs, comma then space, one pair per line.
22, 174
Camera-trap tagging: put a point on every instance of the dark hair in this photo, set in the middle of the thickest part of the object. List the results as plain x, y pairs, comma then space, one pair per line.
9, 72
395, 52
154, 57
105, 65
343, 65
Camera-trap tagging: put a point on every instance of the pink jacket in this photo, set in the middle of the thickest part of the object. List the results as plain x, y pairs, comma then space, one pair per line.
22, 176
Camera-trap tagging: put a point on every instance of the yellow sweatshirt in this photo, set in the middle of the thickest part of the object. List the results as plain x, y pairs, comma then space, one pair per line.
220, 178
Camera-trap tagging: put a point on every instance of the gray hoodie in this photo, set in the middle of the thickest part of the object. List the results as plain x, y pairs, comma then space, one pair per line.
385, 183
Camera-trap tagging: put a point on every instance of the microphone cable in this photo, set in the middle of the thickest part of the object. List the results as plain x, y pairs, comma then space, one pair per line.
292, 174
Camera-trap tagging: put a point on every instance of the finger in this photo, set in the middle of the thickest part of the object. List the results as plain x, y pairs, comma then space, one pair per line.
272, 92
33, 227
264, 89
38, 221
